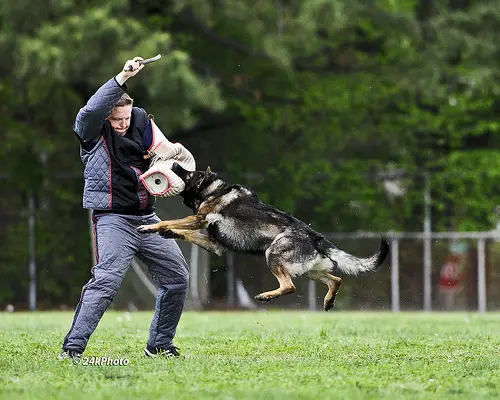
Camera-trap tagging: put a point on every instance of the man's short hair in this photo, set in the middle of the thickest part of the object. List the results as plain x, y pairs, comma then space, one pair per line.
125, 100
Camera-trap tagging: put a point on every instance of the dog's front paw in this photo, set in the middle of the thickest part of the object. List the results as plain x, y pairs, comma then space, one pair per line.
147, 228
169, 234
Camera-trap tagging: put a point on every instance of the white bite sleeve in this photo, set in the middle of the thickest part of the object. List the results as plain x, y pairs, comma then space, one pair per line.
159, 179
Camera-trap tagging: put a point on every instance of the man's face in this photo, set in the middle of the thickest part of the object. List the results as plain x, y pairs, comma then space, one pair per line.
120, 119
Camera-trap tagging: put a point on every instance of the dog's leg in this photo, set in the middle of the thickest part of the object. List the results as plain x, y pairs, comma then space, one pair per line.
285, 281
197, 238
190, 222
333, 282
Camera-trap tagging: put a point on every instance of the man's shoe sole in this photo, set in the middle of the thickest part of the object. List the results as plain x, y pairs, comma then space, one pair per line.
147, 353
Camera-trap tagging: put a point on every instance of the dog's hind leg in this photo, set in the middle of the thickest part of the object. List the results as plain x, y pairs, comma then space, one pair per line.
333, 282
285, 281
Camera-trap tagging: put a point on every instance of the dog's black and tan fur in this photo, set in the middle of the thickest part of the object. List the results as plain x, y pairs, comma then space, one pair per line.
236, 219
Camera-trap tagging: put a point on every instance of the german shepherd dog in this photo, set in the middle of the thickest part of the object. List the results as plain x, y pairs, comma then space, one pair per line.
236, 219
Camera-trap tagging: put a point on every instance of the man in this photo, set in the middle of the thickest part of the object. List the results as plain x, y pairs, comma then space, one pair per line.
114, 138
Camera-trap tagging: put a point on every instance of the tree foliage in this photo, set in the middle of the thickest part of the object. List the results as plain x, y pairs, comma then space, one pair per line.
311, 103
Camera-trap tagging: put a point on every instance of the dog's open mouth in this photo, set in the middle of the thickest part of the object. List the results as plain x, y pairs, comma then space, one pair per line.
179, 171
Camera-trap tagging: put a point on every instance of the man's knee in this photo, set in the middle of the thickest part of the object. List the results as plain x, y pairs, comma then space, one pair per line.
181, 273
179, 281
103, 286
182, 280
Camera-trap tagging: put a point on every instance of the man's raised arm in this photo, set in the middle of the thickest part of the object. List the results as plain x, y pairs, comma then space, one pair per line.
90, 118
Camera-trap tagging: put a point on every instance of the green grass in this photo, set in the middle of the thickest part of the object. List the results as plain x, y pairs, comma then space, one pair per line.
263, 355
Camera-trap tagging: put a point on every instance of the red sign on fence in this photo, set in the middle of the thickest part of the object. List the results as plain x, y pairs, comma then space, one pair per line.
453, 270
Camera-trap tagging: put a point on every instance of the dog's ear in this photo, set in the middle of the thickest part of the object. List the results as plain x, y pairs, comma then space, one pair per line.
208, 171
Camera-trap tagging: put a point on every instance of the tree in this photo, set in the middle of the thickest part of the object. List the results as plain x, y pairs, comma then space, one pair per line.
332, 93
56, 55
308, 102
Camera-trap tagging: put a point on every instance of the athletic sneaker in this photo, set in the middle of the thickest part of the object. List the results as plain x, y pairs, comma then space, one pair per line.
72, 355
164, 352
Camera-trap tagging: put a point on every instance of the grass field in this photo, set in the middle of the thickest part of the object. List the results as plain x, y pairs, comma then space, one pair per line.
263, 355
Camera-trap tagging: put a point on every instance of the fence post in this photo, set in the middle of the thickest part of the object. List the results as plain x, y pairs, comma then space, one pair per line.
395, 273
230, 278
312, 295
427, 247
32, 252
194, 264
481, 275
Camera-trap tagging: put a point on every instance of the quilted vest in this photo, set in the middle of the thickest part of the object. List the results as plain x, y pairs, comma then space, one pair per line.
113, 167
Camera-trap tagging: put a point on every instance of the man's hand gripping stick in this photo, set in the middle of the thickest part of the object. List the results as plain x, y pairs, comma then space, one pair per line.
144, 62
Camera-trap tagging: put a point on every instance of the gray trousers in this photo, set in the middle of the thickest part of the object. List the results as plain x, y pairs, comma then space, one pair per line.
117, 242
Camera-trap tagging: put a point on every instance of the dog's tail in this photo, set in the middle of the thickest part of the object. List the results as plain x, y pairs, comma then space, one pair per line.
349, 264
